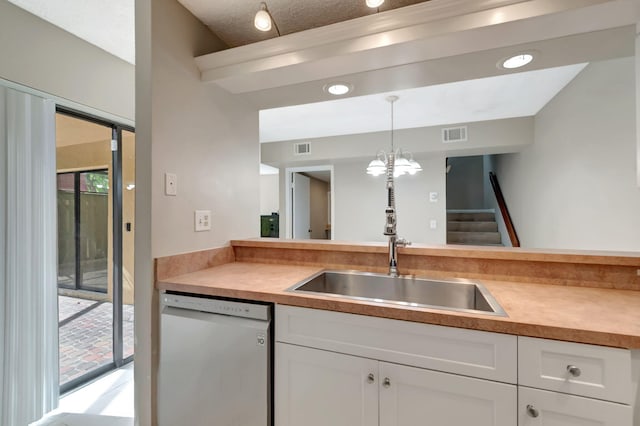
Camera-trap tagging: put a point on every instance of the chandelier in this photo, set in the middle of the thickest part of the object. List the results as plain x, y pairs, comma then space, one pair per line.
395, 162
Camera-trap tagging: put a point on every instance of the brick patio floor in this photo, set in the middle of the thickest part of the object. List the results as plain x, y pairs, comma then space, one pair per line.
86, 335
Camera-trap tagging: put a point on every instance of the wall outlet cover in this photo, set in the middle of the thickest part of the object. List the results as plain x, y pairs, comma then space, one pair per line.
170, 184
202, 220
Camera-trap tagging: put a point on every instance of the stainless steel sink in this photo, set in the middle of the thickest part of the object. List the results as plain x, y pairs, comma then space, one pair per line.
451, 294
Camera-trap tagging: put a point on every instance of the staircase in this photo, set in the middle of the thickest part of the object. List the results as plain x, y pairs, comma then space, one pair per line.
474, 227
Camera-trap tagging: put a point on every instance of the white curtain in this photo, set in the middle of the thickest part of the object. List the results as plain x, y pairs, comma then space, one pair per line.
28, 259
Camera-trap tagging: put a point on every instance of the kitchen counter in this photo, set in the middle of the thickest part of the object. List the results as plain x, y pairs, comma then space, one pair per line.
600, 316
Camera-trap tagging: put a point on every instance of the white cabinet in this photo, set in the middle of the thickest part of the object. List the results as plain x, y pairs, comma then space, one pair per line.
472, 353
341, 369
321, 388
413, 396
565, 383
543, 408
318, 387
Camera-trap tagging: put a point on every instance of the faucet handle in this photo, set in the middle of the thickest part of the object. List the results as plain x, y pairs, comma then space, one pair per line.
401, 242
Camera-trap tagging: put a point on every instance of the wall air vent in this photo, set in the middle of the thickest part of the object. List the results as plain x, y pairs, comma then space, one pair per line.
454, 134
302, 148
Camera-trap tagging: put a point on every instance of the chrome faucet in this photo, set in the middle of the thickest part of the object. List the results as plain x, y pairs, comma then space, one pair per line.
385, 163
390, 225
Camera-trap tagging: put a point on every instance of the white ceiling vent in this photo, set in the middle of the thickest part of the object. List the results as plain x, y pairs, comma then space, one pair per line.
454, 134
302, 148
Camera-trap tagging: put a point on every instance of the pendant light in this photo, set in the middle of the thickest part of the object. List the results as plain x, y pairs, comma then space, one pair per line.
396, 162
374, 4
263, 21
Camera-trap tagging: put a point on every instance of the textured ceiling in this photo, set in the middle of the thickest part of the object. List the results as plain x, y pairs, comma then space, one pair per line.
232, 20
107, 24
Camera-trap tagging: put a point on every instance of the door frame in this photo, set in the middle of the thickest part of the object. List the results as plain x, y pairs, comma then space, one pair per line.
117, 127
288, 205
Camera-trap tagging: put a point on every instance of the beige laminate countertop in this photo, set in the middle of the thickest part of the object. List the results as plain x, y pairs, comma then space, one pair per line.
586, 315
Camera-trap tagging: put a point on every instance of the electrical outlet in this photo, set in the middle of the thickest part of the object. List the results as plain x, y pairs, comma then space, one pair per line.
433, 224
433, 197
202, 220
170, 184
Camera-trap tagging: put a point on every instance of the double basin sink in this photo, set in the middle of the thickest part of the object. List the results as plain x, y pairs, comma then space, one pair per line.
451, 294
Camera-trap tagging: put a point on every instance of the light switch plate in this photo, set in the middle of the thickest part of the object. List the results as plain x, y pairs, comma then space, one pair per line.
433, 197
433, 224
170, 184
202, 220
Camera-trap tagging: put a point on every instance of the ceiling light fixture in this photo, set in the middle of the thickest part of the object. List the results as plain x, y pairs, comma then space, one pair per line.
517, 61
263, 20
396, 162
338, 89
374, 4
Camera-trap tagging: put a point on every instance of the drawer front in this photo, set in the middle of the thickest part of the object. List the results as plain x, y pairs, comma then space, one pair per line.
544, 408
573, 368
473, 353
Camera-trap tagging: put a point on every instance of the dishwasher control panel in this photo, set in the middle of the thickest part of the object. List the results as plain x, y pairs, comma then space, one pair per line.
217, 306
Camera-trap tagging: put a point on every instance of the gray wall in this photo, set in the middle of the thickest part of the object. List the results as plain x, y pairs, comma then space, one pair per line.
495, 136
204, 135
465, 183
41, 56
575, 187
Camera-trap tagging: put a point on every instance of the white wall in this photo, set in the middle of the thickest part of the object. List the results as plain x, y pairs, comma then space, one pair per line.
361, 199
269, 194
575, 187
41, 56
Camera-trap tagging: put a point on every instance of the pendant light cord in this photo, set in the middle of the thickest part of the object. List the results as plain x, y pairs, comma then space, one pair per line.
274, 24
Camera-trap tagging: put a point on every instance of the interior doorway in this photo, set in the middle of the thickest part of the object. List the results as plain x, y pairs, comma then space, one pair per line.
309, 202
96, 197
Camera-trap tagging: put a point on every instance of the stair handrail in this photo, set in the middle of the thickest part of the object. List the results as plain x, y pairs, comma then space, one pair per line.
502, 204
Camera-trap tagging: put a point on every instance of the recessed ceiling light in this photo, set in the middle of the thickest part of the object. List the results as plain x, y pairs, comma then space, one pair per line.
374, 3
517, 61
338, 89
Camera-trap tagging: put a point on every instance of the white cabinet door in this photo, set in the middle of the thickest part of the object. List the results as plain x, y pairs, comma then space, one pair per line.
543, 408
321, 388
412, 396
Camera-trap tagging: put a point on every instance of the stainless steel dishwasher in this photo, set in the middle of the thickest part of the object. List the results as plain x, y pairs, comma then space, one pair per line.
215, 364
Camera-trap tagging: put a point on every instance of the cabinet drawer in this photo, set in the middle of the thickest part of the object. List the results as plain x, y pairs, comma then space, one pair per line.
543, 408
573, 368
468, 352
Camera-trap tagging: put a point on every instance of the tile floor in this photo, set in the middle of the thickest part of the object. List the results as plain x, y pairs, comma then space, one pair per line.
86, 336
107, 401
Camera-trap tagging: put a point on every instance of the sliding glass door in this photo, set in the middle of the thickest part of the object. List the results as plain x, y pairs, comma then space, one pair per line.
96, 185
83, 230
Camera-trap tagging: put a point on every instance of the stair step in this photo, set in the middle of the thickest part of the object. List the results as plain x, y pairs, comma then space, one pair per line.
478, 238
472, 226
471, 217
